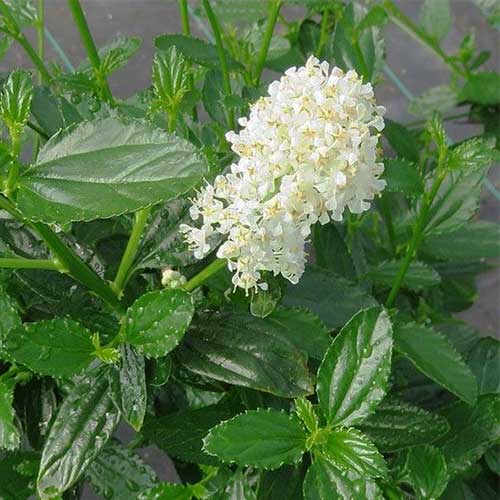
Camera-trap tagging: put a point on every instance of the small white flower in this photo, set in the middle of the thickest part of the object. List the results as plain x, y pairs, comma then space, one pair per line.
307, 151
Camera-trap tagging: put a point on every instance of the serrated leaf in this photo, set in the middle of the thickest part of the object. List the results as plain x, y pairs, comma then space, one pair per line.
396, 425
484, 361
353, 375
9, 434
482, 88
166, 491
82, 427
17, 468
305, 411
195, 50
330, 297
107, 167
261, 438
418, 276
439, 99
57, 347
9, 317
129, 386
434, 356
15, 100
156, 321
118, 472
425, 470
470, 155
350, 450
402, 141
242, 350
402, 176
435, 17
117, 53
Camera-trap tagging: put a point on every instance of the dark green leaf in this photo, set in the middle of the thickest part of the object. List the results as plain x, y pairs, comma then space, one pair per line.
17, 478
402, 177
433, 355
261, 438
350, 450
15, 100
333, 299
116, 54
352, 378
285, 482
492, 457
129, 387
435, 17
238, 488
117, 472
83, 426
402, 141
240, 349
58, 347
9, 434
397, 425
376, 16
458, 490
418, 276
9, 318
106, 167
484, 361
247, 11
213, 95
166, 491
156, 322
482, 88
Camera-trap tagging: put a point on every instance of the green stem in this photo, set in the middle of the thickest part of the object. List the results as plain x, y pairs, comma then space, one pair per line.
266, 42
37, 129
40, 35
120, 281
416, 237
457, 116
14, 166
18, 35
90, 47
406, 24
323, 35
22, 263
226, 81
204, 274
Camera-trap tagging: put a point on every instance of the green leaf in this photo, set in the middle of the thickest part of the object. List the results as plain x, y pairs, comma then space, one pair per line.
333, 299
156, 321
402, 141
353, 375
195, 50
82, 427
425, 470
118, 472
305, 411
181, 434
285, 482
484, 361
9, 318
15, 101
435, 18
402, 176
397, 425
470, 155
217, 346
439, 99
473, 431
418, 276
166, 491
9, 434
349, 449
107, 167
264, 302
476, 240
482, 88
129, 387
435, 357
57, 347
376, 16
492, 457
261, 438
18, 467
238, 488
116, 54
247, 11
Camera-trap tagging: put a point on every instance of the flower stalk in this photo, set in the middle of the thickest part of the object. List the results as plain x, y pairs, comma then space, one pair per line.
197, 280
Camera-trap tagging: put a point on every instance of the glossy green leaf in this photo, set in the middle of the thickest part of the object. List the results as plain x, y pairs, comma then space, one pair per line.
156, 321
352, 378
402, 176
425, 470
84, 424
470, 155
58, 347
482, 88
333, 299
285, 482
418, 276
9, 434
396, 425
118, 472
484, 361
15, 100
166, 491
16, 472
107, 167
402, 141
434, 356
195, 50
435, 18
305, 411
238, 488
261, 438
242, 350
9, 317
129, 386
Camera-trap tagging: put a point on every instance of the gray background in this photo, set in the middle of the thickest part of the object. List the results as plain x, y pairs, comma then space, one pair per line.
416, 66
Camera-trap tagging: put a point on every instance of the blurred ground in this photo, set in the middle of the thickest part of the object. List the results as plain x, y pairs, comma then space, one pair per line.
416, 67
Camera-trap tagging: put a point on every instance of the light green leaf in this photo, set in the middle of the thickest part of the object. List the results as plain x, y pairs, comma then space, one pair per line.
170, 77
57, 347
402, 176
237, 11
83, 426
482, 88
352, 378
15, 101
418, 276
470, 155
156, 321
107, 167
217, 346
435, 17
118, 472
261, 438
117, 53
166, 491
305, 411
484, 361
435, 357
397, 425
439, 99
9, 434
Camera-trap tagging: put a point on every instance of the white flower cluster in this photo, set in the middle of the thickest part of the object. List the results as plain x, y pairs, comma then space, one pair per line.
307, 151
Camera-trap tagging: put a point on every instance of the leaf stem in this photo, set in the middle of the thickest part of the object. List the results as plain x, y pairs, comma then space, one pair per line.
22, 263
226, 81
212, 268
90, 47
274, 11
37, 129
14, 165
128, 257
323, 32
40, 36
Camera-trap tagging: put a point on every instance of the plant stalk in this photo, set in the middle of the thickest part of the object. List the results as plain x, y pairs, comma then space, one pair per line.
14, 166
22, 263
40, 36
385, 209
323, 35
204, 274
